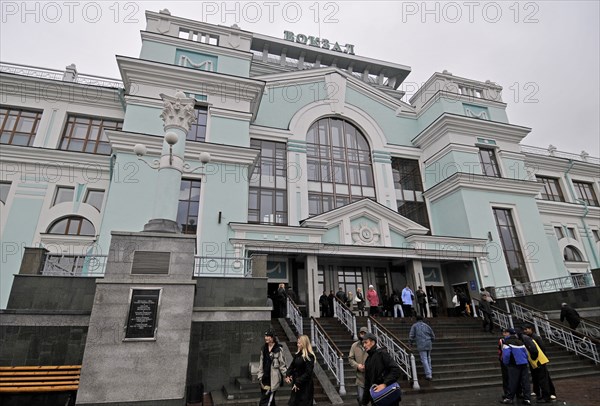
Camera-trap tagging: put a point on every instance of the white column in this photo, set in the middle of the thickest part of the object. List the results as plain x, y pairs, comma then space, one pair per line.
312, 275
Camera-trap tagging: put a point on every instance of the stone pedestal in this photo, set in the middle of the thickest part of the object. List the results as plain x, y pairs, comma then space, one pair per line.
119, 369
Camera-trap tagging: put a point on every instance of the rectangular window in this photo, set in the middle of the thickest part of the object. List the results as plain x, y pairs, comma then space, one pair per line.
18, 126
409, 190
189, 206
87, 134
571, 233
511, 246
560, 234
267, 203
63, 194
349, 278
197, 130
596, 235
585, 192
94, 198
4, 189
489, 164
552, 190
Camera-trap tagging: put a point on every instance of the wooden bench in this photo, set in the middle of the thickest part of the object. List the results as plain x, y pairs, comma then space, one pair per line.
63, 378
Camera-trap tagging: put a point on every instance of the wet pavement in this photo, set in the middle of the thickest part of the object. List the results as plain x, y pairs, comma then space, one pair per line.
582, 391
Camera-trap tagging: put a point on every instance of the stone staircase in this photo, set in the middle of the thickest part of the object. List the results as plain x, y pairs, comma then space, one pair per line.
246, 390
463, 356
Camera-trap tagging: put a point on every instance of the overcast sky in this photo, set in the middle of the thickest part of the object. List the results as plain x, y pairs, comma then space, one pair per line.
545, 54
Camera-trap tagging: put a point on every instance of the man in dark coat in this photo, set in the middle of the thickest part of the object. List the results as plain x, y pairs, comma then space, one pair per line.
487, 315
573, 318
281, 300
380, 368
324, 303
331, 298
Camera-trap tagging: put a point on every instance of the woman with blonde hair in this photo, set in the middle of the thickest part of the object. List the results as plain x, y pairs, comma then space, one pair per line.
300, 372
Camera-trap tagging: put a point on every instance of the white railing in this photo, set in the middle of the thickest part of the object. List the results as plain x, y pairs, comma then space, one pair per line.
293, 313
589, 328
575, 281
55, 74
334, 358
222, 266
502, 319
345, 316
552, 151
399, 353
74, 265
570, 339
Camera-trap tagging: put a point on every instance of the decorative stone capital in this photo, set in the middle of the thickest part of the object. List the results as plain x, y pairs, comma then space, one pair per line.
178, 111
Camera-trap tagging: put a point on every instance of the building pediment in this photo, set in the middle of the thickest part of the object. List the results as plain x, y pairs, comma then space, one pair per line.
365, 222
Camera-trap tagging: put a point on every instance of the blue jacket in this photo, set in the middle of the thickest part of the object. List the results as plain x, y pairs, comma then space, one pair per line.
514, 351
407, 296
422, 335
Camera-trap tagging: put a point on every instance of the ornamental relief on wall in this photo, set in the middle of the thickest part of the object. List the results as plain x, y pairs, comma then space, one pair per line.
362, 234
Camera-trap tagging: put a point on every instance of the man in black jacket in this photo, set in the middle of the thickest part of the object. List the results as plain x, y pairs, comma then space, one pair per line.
380, 368
573, 318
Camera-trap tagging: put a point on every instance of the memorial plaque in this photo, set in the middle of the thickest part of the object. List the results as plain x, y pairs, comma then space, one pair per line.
143, 310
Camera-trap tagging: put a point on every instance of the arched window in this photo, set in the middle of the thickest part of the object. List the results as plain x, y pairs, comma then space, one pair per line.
340, 170
73, 225
571, 254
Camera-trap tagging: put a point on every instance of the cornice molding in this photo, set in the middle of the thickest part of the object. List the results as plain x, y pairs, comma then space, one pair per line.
354, 250
453, 123
195, 45
566, 209
144, 102
559, 165
462, 180
280, 230
268, 133
72, 92
42, 156
122, 141
156, 74
233, 114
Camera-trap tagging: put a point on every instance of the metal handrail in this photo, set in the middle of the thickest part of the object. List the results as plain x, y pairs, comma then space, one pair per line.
74, 265
399, 351
295, 316
345, 316
586, 327
556, 333
334, 358
502, 318
589, 328
576, 281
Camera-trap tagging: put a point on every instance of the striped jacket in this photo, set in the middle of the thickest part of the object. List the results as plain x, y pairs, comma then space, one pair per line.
514, 351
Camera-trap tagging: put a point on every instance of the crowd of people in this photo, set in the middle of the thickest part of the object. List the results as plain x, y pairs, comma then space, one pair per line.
521, 352
404, 303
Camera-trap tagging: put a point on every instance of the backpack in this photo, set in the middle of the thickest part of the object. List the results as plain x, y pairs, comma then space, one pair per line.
395, 299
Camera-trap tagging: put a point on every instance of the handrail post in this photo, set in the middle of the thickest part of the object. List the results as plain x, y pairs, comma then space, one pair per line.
341, 376
335, 308
369, 327
312, 332
354, 336
510, 321
413, 366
